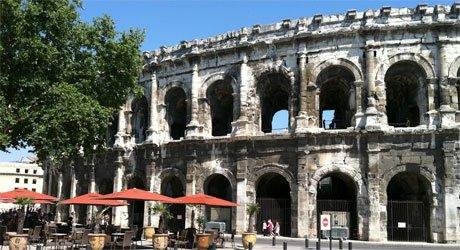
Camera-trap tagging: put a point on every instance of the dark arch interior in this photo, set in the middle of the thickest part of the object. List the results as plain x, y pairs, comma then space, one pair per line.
140, 119
218, 186
112, 130
408, 186
172, 186
220, 96
176, 109
136, 207
335, 87
274, 196
409, 196
337, 196
402, 83
274, 92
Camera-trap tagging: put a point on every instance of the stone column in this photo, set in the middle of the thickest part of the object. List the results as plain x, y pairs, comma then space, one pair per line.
302, 195
190, 188
371, 110
154, 185
119, 214
91, 210
152, 133
301, 119
241, 188
60, 195
451, 188
119, 137
194, 128
359, 115
312, 100
447, 91
242, 125
73, 192
377, 206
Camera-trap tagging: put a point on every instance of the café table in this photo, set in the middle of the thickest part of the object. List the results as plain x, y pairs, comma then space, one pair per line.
57, 237
117, 235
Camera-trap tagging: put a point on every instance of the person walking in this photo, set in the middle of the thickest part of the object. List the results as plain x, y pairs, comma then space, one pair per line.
277, 228
264, 228
269, 227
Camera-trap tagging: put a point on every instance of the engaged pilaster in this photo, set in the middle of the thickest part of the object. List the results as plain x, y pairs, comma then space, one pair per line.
371, 110
194, 128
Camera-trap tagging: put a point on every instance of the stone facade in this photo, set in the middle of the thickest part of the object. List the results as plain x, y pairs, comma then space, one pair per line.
391, 76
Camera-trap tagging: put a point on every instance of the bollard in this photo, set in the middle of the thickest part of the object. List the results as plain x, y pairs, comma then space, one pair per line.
213, 246
318, 245
250, 245
330, 243
350, 246
285, 245
274, 241
306, 243
39, 247
88, 247
340, 243
175, 245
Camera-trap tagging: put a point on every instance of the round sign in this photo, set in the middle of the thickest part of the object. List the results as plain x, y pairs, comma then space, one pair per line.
325, 222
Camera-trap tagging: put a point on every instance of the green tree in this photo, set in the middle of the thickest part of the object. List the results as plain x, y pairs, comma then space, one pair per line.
61, 79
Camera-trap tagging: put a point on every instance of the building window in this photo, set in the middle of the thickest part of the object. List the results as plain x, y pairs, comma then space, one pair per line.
34, 181
35, 171
17, 180
26, 171
17, 170
16, 188
34, 190
26, 181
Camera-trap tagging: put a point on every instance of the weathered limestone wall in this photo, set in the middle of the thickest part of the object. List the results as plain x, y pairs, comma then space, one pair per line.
355, 50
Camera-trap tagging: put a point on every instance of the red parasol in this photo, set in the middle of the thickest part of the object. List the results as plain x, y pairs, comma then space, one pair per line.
139, 195
203, 199
33, 201
91, 199
11, 195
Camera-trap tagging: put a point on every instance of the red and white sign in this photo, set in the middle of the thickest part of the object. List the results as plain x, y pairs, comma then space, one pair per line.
325, 221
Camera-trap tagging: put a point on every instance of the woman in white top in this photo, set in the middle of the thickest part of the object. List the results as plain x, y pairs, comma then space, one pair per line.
277, 228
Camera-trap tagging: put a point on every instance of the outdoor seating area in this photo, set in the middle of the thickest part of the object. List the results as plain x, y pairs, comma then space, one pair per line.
45, 233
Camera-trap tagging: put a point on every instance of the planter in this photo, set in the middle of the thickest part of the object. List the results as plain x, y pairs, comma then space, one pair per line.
160, 241
18, 241
97, 241
249, 238
149, 232
202, 241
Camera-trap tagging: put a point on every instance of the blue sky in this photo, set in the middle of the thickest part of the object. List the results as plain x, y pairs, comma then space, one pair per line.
169, 22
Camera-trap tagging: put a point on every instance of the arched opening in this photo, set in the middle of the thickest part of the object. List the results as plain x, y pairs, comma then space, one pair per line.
405, 94
172, 186
139, 119
274, 92
274, 197
336, 97
220, 97
337, 197
408, 208
176, 112
136, 208
219, 186
112, 130
280, 122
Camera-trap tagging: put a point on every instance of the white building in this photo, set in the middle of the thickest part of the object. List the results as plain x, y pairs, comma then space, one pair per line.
14, 175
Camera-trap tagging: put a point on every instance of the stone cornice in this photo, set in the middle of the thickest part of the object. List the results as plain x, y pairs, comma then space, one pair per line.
351, 23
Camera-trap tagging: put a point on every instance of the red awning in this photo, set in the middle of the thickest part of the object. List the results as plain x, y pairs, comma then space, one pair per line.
33, 201
203, 199
137, 194
11, 195
90, 199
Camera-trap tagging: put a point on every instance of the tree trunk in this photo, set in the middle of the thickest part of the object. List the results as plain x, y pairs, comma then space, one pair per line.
22, 215
161, 225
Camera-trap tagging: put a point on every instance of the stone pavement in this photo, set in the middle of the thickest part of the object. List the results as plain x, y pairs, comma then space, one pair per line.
299, 243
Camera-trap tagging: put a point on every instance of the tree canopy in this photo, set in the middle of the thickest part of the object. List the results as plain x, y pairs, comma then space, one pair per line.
62, 79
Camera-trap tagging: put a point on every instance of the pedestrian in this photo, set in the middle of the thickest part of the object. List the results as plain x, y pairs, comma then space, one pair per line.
277, 228
269, 227
264, 228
